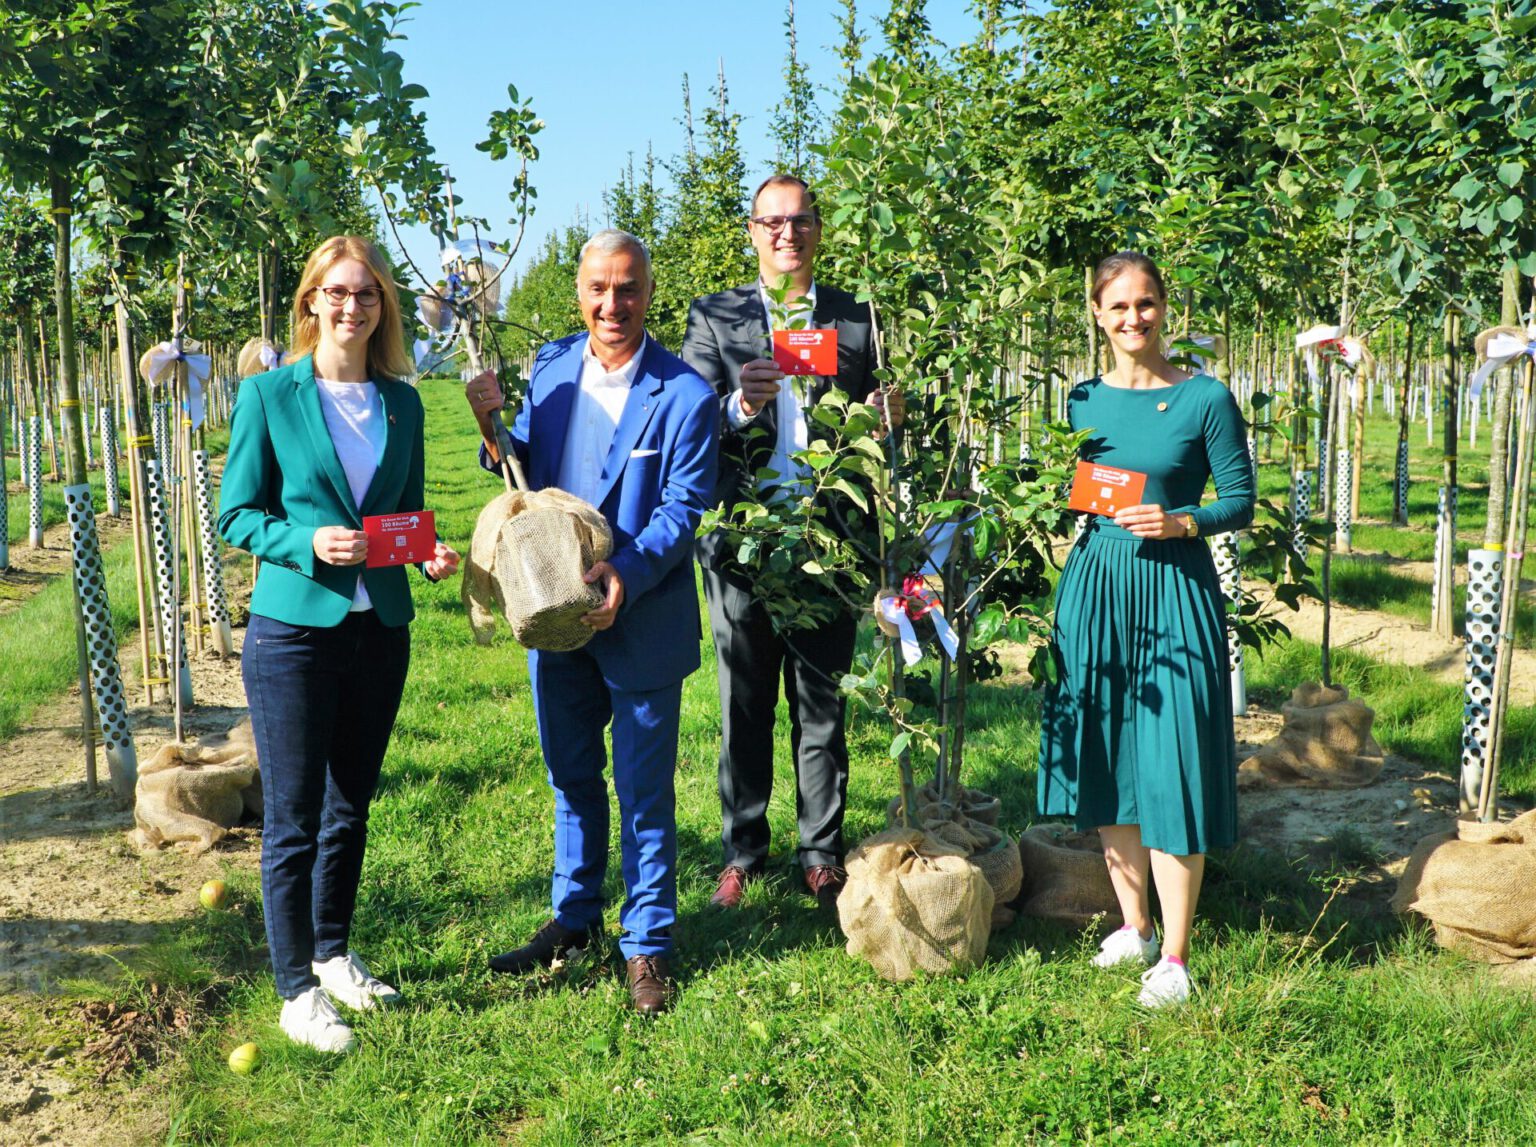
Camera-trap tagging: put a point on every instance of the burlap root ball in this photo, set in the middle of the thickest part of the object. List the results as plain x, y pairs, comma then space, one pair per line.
197, 792
248, 361
1477, 886
1064, 877
913, 903
1326, 744
526, 561
990, 850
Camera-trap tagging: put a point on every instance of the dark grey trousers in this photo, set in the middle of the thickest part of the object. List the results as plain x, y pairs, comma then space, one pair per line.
751, 658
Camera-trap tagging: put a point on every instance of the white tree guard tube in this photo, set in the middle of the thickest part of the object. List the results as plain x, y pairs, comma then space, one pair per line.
1443, 586
213, 570
109, 475
1224, 549
160, 427
1400, 486
1301, 510
34, 465
173, 637
101, 642
1343, 498
1485, 591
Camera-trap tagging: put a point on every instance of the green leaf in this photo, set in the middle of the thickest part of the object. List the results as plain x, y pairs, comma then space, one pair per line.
1511, 172
1467, 187
1352, 180
1343, 207
1511, 209
1386, 199
899, 744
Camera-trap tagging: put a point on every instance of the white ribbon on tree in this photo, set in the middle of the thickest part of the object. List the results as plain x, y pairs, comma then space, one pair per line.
1502, 350
894, 610
1330, 341
271, 356
162, 359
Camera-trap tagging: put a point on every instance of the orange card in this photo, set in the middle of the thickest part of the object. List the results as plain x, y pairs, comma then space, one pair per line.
395, 539
1099, 489
805, 352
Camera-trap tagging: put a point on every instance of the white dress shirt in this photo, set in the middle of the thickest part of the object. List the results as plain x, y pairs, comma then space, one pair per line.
354, 414
793, 431
595, 411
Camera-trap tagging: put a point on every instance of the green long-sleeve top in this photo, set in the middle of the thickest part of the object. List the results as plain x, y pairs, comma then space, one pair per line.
1180, 437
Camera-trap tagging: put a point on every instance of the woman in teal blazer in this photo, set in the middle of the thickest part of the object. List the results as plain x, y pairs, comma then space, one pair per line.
314, 447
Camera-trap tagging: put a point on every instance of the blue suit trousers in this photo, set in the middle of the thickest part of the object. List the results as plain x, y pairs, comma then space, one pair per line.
574, 705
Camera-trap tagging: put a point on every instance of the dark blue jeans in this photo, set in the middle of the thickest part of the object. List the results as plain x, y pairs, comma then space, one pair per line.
323, 702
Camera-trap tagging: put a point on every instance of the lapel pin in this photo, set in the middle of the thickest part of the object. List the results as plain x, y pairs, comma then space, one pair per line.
1161, 406
392, 419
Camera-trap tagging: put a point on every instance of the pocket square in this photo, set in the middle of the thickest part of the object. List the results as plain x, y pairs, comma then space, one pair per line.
642, 453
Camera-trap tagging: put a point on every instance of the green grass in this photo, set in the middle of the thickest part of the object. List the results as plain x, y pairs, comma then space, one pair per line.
1322, 1021
1368, 584
37, 641
18, 508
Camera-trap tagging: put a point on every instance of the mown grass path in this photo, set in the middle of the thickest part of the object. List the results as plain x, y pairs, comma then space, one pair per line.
1316, 1024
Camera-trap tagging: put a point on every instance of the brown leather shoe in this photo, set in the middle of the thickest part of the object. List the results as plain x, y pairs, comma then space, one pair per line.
650, 984
550, 942
731, 887
825, 881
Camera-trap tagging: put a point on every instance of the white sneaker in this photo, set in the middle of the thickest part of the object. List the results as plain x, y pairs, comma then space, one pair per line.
1123, 947
311, 1019
1165, 984
348, 981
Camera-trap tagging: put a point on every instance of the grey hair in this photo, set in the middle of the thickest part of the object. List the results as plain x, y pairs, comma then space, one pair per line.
610, 241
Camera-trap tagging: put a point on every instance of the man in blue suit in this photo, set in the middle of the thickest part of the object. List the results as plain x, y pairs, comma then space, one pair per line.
613, 418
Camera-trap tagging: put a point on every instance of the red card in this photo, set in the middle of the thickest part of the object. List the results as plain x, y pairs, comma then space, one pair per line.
805, 352
1101, 489
395, 539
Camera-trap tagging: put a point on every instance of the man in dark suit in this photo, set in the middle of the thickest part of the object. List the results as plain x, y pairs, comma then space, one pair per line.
615, 419
762, 424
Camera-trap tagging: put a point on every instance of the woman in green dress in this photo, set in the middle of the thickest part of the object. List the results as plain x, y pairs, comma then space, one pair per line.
1136, 734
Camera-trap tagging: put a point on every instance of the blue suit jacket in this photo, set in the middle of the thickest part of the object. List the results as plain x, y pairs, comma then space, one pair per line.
655, 485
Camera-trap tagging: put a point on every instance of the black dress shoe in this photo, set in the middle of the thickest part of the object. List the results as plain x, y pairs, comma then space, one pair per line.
650, 984
549, 943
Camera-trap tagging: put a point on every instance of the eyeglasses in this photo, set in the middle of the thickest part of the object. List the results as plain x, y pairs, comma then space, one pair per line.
801, 223
338, 296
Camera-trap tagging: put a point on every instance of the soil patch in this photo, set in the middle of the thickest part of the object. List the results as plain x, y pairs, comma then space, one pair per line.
1399, 641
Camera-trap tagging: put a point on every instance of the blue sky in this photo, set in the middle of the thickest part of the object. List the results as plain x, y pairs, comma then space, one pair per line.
606, 78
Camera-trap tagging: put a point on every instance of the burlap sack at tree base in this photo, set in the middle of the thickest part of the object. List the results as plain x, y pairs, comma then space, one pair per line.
526, 561
196, 792
1478, 887
988, 849
1065, 877
1326, 743
914, 903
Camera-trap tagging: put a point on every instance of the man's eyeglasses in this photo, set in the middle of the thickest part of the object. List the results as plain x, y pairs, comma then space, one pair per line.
338, 296
800, 223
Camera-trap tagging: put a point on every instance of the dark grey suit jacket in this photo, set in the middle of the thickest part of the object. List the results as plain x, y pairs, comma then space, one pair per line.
728, 330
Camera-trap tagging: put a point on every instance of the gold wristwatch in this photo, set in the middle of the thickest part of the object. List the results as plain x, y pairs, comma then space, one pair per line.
1191, 528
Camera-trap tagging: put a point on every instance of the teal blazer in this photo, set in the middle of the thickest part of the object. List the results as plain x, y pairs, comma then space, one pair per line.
283, 481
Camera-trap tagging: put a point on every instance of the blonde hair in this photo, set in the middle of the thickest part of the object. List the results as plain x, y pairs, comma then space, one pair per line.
386, 346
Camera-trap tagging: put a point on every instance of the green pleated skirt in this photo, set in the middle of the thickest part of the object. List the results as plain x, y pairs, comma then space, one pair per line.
1137, 728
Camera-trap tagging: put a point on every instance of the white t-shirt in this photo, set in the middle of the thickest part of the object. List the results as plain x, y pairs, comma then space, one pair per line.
595, 412
354, 414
